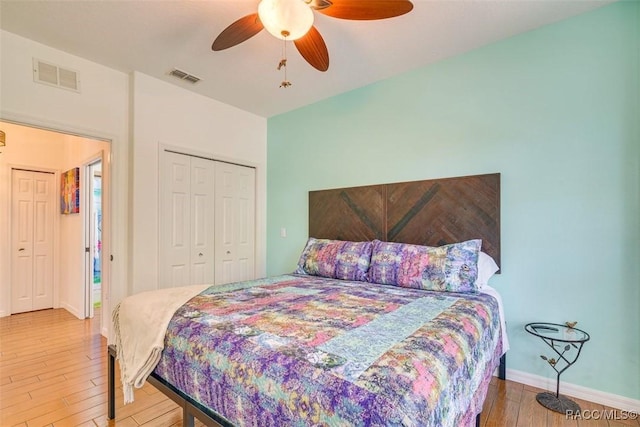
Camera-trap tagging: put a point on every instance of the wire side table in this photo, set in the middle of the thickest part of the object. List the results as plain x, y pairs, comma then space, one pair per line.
567, 342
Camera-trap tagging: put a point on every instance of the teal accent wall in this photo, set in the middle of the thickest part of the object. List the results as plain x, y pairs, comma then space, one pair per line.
556, 112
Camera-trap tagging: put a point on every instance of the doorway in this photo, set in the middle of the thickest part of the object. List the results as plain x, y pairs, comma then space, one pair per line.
32, 148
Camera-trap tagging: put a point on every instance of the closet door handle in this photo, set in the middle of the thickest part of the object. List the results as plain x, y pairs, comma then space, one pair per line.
200, 254
21, 249
228, 252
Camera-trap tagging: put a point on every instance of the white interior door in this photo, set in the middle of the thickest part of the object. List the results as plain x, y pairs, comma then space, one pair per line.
33, 198
235, 223
186, 220
174, 220
92, 207
201, 221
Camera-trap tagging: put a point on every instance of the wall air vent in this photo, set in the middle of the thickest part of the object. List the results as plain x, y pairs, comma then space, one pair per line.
53, 75
184, 76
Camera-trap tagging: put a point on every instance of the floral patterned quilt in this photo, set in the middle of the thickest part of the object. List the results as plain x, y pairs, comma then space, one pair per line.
309, 351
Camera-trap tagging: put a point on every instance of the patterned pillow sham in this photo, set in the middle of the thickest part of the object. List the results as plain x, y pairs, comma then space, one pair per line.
394, 263
335, 259
453, 268
449, 268
352, 261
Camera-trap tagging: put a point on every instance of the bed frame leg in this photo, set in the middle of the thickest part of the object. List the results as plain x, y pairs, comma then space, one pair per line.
478, 420
502, 369
187, 417
111, 365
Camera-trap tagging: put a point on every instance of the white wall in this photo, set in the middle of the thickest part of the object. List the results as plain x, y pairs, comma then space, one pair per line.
166, 115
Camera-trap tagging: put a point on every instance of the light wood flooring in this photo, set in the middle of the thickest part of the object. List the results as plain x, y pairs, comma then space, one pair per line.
53, 372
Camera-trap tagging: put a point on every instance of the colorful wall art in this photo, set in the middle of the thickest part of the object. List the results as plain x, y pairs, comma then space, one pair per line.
70, 191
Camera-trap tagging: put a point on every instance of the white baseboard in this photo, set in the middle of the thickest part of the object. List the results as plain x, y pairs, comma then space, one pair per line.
608, 399
71, 310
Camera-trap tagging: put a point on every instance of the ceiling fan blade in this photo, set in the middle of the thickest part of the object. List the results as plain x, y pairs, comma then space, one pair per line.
241, 30
313, 49
367, 10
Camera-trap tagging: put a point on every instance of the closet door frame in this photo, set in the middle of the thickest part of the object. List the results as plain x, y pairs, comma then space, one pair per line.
162, 148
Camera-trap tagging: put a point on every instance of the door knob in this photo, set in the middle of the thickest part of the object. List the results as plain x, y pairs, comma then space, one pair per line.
21, 249
200, 254
228, 252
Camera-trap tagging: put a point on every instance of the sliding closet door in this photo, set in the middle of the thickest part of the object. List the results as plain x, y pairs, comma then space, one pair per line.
235, 223
202, 252
186, 220
175, 188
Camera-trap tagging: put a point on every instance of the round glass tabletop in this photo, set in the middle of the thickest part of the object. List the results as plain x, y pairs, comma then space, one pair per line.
557, 332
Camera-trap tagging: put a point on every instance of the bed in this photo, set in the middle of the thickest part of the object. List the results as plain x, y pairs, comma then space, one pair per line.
377, 325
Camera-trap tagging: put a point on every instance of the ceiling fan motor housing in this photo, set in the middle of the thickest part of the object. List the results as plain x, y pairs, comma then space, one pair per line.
286, 19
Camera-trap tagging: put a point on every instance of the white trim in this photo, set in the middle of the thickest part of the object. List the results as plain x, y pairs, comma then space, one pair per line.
162, 146
54, 126
72, 310
608, 399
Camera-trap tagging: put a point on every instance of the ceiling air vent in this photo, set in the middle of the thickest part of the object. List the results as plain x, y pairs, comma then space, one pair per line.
184, 76
53, 75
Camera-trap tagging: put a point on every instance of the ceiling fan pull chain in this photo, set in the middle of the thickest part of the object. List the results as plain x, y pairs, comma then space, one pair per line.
283, 62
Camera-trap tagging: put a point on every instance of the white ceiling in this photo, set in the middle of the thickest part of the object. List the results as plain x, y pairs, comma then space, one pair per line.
154, 36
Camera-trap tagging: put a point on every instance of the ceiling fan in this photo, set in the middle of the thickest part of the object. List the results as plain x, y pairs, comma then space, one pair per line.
293, 20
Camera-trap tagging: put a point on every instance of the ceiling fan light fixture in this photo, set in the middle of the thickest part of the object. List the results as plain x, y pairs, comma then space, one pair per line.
286, 19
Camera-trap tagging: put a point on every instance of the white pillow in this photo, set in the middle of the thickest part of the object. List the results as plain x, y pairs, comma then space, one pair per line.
487, 267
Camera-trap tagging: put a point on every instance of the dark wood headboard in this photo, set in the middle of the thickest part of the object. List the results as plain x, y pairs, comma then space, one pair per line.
434, 212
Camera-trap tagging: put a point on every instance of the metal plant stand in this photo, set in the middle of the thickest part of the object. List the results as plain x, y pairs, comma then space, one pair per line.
567, 342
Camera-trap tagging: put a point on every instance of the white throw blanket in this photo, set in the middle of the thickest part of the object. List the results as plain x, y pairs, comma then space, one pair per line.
140, 322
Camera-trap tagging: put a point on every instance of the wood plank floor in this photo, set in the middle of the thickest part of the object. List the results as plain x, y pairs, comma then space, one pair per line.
53, 372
